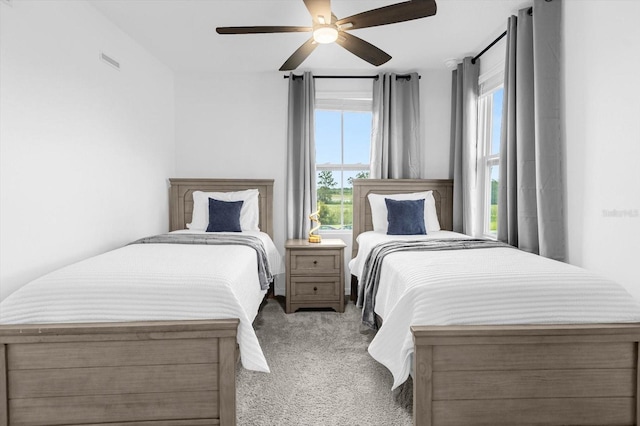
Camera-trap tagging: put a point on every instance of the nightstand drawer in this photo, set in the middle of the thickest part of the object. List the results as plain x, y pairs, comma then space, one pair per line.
312, 262
315, 288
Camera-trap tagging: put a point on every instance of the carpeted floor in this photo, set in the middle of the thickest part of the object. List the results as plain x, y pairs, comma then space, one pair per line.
321, 374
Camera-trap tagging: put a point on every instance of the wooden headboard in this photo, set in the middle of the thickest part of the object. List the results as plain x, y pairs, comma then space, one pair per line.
442, 193
181, 198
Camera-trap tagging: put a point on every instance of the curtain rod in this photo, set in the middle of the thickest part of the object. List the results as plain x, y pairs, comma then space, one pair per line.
475, 58
374, 77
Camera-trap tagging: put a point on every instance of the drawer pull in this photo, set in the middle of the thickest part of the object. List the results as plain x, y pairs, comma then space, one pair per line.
315, 289
315, 262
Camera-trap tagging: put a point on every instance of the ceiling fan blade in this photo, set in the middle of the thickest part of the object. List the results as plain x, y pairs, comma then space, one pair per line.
400, 12
362, 49
319, 8
299, 55
260, 30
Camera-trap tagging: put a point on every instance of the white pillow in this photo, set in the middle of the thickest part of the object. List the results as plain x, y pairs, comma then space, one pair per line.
248, 214
379, 209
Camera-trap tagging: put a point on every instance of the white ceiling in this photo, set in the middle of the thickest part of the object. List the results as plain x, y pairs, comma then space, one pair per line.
181, 33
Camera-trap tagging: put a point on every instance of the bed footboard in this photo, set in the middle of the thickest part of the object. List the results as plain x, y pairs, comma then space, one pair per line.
524, 375
168, 373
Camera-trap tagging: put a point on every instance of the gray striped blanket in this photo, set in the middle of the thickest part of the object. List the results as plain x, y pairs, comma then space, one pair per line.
370, 278
264, 270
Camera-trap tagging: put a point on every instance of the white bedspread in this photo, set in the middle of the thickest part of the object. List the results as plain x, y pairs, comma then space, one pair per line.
153, 282
481, 286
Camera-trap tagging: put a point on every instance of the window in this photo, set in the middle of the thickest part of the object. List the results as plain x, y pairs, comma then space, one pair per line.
343, 141
489, 128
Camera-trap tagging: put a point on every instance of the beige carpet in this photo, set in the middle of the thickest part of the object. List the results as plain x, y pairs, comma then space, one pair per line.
321, 373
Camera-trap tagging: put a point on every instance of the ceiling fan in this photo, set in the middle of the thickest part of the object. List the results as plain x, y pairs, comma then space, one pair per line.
326, 28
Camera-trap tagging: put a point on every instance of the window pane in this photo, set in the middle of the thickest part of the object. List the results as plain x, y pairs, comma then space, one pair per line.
347, 191
335, 198
330, 199
496, 120
357, 137
328, 137
494, 172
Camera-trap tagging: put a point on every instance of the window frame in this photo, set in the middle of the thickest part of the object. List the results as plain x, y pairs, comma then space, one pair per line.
342, 102
489, 84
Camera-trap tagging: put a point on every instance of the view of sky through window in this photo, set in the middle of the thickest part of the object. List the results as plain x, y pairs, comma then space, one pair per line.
496, 121
357, 137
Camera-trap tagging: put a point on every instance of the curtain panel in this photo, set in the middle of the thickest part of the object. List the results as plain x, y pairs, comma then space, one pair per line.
531, 194
395, 134
467, 201
301, 156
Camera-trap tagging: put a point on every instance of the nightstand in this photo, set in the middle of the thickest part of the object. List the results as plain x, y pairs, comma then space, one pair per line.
315, 274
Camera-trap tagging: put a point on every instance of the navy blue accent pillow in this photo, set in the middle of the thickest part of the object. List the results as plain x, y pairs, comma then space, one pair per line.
405, 217
224, 216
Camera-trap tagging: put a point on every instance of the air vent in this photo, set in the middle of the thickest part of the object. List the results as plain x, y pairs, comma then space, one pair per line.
109, 60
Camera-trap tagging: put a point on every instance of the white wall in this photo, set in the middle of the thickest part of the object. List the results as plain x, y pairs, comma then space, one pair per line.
435, 108
235, 126
602, 110
85, 150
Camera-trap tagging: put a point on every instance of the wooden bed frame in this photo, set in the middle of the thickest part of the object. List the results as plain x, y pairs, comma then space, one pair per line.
155, 373
584, 374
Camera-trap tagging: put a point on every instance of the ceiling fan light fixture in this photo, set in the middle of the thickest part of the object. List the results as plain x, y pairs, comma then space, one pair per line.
325, 34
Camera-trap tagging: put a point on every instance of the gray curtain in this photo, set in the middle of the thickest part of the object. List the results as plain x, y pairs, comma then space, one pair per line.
467, 202
531, 196
301, 156
395, 133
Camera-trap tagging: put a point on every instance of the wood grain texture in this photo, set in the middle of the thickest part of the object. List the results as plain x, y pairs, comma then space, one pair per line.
533, 357
4, 393
227, 381
578, 383
314, 288
24, 332
190, 422
542, 412
423, 385
314, 274
318, 262
174, 380
56, 382
114, 408
513, 375
108, 354
181, 198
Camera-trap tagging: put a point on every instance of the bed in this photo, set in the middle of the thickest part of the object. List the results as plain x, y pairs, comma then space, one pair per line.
158, 343
477, 360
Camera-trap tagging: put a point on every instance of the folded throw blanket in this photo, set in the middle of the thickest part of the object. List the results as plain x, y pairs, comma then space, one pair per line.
373, 265
264, 270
